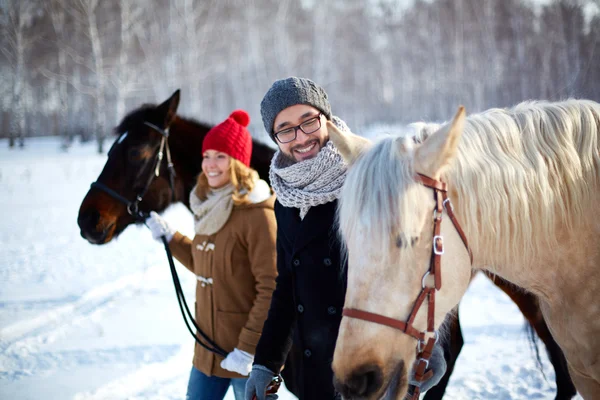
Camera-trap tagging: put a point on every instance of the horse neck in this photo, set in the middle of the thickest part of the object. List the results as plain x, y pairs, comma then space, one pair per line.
185, 142
533, 258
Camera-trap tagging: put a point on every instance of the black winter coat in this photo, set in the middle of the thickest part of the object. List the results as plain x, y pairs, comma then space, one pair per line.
306, 307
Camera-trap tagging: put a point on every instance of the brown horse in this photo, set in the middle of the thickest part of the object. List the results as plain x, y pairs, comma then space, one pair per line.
131, 161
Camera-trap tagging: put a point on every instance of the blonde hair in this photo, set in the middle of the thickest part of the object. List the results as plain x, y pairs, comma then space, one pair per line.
242, 178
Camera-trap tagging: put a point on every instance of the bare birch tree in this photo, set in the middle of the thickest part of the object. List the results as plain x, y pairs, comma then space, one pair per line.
17, 15
125, 75
58, 19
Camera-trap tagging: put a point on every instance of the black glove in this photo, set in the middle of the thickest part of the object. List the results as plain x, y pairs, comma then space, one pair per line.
257, 383
437, 363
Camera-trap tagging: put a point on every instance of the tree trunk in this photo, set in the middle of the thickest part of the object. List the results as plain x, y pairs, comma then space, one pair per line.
18, 122
100, 116
123, 75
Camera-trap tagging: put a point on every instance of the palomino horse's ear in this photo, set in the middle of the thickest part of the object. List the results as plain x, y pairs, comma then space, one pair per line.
439, 149
169, 108
348, 144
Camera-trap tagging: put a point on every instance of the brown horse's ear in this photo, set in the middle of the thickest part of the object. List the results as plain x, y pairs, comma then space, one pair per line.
348, 144
439, 149
169, 109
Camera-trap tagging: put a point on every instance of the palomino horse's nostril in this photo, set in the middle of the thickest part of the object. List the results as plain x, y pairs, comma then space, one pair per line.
363, 382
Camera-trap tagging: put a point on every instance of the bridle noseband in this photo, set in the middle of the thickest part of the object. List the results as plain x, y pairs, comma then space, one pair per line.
424, 347
133, 206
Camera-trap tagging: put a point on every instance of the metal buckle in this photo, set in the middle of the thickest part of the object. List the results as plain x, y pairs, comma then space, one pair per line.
426, 363
435, 249
421, 343
423, 279
132, 208
420, 346
449, 202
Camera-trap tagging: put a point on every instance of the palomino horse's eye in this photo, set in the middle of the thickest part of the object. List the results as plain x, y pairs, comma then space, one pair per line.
402, 241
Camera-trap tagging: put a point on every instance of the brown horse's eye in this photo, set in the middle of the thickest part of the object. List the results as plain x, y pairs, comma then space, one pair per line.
136, 155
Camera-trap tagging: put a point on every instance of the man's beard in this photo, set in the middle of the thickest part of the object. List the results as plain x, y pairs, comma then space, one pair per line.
290, 157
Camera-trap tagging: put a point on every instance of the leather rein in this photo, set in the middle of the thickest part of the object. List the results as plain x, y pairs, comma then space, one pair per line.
425, 339
141, 216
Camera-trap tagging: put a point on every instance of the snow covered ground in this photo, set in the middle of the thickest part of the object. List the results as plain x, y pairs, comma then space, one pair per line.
79, 321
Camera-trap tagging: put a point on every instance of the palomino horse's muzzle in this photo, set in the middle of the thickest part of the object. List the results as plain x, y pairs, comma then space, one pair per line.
425, 339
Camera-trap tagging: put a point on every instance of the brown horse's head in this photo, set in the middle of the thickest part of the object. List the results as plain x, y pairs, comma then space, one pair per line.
129, 168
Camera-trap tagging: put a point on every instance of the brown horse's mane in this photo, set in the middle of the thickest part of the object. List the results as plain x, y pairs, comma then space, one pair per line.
147, 113
188, 137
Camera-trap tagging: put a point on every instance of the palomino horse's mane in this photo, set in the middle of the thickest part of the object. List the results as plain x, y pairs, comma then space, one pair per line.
521, 175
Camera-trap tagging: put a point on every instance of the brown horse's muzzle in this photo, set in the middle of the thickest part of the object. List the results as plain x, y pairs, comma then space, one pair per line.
98, 218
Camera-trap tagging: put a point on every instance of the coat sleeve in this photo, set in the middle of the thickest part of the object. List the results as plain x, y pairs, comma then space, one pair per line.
260, 240
276, 339
181, 247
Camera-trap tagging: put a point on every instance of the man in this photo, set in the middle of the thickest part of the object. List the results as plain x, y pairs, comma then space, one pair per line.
307, 174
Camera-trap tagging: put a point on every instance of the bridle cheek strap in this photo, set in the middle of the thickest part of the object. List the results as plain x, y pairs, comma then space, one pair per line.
133, 206
424, 347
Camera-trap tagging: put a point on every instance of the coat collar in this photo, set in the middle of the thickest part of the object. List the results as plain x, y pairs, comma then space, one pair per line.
301, 232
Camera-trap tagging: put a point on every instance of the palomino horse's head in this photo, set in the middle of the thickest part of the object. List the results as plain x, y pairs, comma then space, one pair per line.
129, 170
386, 218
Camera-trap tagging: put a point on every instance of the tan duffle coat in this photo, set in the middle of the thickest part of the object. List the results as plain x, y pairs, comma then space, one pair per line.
236, 271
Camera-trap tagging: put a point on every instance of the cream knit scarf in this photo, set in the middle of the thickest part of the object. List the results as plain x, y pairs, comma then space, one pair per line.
311, 182
211, 214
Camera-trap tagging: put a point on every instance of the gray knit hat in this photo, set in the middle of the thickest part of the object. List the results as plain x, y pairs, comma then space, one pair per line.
288, 92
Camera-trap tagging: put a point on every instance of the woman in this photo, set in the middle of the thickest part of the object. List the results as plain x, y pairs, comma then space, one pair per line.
233, 256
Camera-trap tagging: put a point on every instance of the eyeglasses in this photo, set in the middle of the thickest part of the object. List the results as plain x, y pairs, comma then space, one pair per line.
309, 126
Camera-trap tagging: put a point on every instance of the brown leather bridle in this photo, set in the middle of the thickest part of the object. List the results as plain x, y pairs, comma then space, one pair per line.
424, 349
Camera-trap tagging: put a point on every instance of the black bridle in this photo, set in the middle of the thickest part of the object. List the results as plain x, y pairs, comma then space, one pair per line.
141, 216
133, 206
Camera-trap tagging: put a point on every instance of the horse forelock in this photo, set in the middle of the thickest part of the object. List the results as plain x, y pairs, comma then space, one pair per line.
136, 118
371, 215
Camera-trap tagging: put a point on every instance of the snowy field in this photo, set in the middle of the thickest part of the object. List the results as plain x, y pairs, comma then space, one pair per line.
79, 321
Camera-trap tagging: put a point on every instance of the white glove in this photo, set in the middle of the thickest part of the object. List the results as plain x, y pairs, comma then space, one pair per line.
238, 361
159, 227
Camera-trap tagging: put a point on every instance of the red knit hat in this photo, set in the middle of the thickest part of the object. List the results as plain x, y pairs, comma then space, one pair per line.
231, 137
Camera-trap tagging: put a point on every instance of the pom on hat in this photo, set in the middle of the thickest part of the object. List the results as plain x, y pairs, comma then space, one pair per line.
241, 117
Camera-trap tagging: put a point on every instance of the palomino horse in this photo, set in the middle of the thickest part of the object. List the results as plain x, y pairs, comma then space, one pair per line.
512, 192
130, 162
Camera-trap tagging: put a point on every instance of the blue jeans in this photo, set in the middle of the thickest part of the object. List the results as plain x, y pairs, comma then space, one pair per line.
204, 387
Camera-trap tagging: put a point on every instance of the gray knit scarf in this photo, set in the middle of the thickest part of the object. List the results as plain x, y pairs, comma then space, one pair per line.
311, 182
